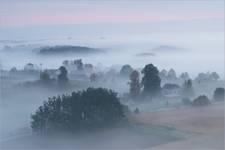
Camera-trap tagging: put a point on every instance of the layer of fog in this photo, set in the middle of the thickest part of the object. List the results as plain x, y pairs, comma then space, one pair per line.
193, 59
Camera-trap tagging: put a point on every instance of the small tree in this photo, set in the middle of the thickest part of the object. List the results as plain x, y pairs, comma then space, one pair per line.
214, 76
171, 74
13, 70
135, 86
62, 77
184, 76
93, 77
186, 101
126, 70
44, 76
219, 94
187, 89
79, 64
151, 81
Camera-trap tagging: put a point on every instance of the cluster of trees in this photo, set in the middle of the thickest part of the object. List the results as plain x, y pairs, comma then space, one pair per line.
94, 108
171, 75
77, 65
203, 77
202, 100
150, 82
62, 77
88, 109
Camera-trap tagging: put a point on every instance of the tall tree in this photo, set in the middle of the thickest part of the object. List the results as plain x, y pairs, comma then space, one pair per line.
151, 81
184, 76
187, 89
135, 86
62, 77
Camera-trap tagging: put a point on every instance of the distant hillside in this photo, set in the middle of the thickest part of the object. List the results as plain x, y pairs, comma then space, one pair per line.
55, 50
167, 48
145, 54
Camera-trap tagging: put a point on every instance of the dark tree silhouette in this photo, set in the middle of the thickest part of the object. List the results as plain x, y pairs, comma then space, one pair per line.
219, 94
126, 70
79, 64
201, 101
184, 76
44, 77
151, 81
187, 89
93, 77
171, 74
13, 70
62, 77
186, 101
214, 76
82, 110
135, 86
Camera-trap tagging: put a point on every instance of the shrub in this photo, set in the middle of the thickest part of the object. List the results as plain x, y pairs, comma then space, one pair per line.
186, 101
136, 111
219, 94
88, 109
201, 101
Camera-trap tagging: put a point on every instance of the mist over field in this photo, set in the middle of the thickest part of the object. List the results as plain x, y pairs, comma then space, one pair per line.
111, 75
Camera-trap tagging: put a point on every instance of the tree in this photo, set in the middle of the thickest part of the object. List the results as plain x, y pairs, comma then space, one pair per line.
201, 101
151, 81
186, 101
187, 89
171, 74
44, 77
184, 76
13, 70
135, 86
79, 64
202, 77
126, 70
214, 76
82, 110
219, 94
62, 77
93, 77
163, 74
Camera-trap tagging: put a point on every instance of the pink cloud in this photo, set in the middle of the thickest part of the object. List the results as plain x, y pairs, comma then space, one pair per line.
70, 18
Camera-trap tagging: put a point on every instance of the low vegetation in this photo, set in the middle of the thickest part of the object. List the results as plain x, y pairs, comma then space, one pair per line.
201, 101
219, 94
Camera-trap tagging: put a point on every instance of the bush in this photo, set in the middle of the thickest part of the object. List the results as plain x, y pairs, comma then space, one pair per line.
219, 94
88, 109
186, 101
201, 101
136, 111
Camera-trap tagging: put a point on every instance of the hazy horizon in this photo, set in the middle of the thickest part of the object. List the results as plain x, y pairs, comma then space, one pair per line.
127, 27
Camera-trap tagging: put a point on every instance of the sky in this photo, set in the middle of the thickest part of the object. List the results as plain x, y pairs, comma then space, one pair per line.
195, 25
66, 12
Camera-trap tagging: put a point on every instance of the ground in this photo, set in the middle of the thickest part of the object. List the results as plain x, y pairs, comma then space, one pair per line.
206, 123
